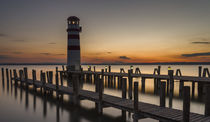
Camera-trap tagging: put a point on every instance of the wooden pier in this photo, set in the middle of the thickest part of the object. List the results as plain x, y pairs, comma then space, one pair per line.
139, 109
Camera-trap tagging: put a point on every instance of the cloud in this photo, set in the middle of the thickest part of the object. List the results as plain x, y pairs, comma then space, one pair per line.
18, 40
203, 42
2, 35
196, 54
124, 57
45, 53
109, 52
52, 43
2, 57
17, 52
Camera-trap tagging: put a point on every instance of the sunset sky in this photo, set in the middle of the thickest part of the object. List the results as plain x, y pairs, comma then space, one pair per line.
34, 31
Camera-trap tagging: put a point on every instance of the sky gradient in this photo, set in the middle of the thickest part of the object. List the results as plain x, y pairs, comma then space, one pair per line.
34, 31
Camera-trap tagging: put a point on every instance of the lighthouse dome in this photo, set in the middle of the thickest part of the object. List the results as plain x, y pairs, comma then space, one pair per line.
73, 18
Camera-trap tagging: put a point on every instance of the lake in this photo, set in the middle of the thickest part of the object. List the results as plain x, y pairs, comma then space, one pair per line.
20, 105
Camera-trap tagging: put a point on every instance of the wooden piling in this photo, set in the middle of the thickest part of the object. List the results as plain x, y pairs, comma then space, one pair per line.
143, 84
61, 78
171, 80
163, 94
57, 83
136, 100
130, 80
186, 104
100, 94
34, 78
15, 76
7, 75
44, 82
124, 87
26, 76
21, 77
10, 72
207, 100
2, 74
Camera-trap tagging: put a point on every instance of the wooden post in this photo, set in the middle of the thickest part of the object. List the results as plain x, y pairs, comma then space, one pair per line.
50, 77
21, 77
57, 83
200, 85
124, 87
186, 104
15, 76
10, 72
171, 80
163, 94
143, 84
34, 79
44, 82
61, 78
7, 75
130, 84
167, 87
136, 100
207, 100
100, 94
63, 68
193, 89
2, 71
26, 76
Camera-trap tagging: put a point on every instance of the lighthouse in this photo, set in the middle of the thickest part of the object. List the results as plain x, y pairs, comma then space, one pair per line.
73, 49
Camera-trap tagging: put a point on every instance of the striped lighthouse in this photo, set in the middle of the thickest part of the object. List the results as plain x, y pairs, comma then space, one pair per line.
73, 53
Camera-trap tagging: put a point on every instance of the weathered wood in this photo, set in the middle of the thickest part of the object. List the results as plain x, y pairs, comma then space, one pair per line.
136, 100
2, 74
186, 104
10, 72
207, 100
15, 76
34, 78
171, 80
44, 82
61, 78
25, 75
130, 81
100, 96
7, 75
163, 94
143, 84
200, 85
124, 87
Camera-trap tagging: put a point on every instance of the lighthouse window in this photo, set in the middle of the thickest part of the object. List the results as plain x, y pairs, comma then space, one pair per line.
73, 22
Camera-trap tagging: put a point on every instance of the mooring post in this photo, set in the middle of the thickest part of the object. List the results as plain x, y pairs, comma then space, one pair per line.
26, 76
7, 75
34, 78
163, 94
130, 84
171, 80
15, 76
167, 87
96, 78
124, 87
207, 100
2, 73
143, 84
136, 101
10, 72
21, 77
186, 104
63, 68
50, 76
44, 82
57, 82
100, 93
61, 78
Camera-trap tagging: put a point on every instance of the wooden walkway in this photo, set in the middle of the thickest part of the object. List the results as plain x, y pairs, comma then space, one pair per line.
144, 109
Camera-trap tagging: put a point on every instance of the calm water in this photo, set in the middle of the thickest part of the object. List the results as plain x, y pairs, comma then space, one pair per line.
19, 105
